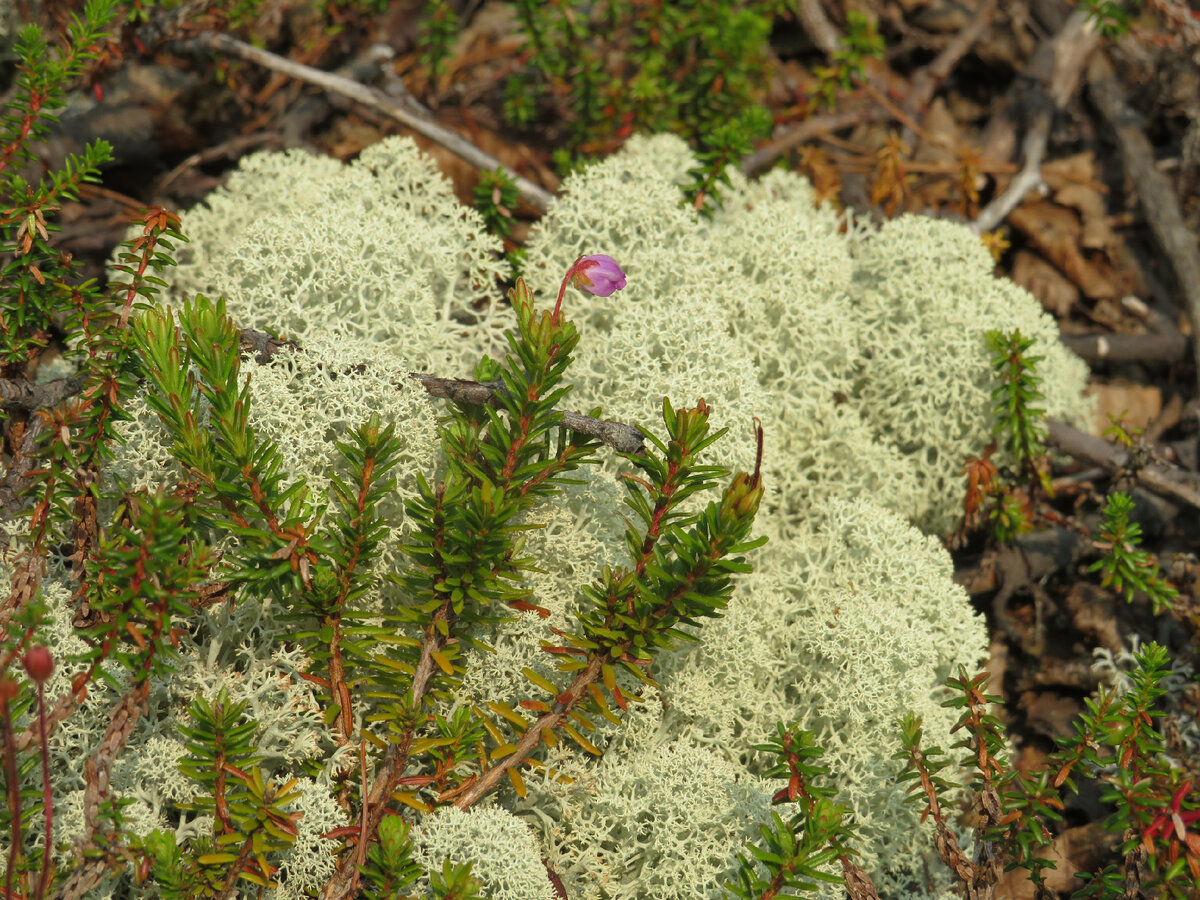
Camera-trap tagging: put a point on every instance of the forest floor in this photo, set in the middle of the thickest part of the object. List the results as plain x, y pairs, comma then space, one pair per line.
1012, 116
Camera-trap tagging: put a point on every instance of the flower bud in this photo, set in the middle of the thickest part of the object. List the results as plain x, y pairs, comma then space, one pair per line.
743, 496
598, 274
38, 663
744, 493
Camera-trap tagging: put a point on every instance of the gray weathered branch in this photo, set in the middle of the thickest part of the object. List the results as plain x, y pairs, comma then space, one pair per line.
538, 198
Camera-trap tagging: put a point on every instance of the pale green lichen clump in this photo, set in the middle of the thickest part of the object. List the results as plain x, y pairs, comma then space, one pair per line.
861, 351
505, 854
656, 817
378, 249
847, 626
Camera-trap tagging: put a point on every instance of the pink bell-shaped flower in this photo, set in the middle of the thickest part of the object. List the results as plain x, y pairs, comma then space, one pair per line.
598, 274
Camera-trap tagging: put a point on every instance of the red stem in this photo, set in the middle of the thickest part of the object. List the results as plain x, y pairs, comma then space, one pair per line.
563, 289
47, 798
14, 793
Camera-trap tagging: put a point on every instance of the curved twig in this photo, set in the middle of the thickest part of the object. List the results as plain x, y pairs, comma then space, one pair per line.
1046, 85
538, 198
1167, 481
1159, 202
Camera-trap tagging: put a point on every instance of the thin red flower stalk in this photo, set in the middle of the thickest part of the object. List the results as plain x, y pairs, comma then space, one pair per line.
597, 274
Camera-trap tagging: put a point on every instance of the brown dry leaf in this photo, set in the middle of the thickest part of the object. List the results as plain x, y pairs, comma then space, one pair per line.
1077, 169
940, 135
1056, 232
1050, 712
1053, 290
1111, 314
350, 136
813, 162
1079, 849
1137, 405
1074, 182
1097, 233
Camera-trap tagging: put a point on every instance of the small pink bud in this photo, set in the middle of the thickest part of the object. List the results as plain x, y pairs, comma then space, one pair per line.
598, 274
38, 663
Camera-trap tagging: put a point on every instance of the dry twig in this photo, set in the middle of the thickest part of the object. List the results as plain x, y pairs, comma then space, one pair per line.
818, 27
621, 437
1047, 84
536, 197
925, 81
1148, 349
1165, 480
1159, 203
806, 131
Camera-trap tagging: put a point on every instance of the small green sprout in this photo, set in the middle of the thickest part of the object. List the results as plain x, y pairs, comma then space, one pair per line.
1125, 567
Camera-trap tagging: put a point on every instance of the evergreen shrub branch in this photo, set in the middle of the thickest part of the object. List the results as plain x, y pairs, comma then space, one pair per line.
496, 197
794, 856
1019, 428
1123, 565
439, 25
1116, 746
606, 71
249, 813
860, 42
1020, 423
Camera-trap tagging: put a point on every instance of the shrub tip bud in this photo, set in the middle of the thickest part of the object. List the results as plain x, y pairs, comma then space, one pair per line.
38, 663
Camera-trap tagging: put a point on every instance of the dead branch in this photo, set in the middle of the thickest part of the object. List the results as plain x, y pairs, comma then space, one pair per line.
806, 131
925, 81
818, 27
536, 197
1045, 87
621, 437
233, 148
28, 396
1147, 349
1158, 200
1033, 151
1167, 481
18, 473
